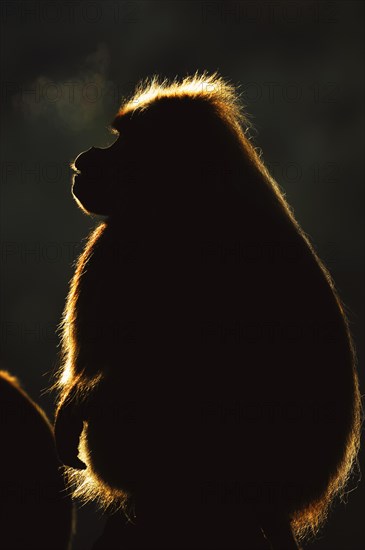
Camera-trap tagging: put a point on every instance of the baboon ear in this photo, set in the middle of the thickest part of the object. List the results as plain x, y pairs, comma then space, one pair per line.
68, 428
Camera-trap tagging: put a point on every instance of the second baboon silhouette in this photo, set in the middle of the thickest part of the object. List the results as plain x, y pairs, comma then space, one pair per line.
208, 384
35, 509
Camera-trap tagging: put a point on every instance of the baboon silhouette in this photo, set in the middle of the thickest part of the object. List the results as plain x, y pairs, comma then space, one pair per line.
208, 383
35, 510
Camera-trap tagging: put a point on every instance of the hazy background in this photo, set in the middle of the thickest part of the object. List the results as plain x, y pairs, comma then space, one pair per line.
65, 67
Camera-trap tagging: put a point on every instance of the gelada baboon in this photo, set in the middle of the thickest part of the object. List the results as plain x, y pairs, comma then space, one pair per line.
35, 510
208, 383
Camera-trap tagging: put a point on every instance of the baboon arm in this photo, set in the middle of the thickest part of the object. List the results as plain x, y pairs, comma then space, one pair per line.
68, 428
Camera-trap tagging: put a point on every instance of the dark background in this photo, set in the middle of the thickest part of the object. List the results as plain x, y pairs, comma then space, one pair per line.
65, 67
